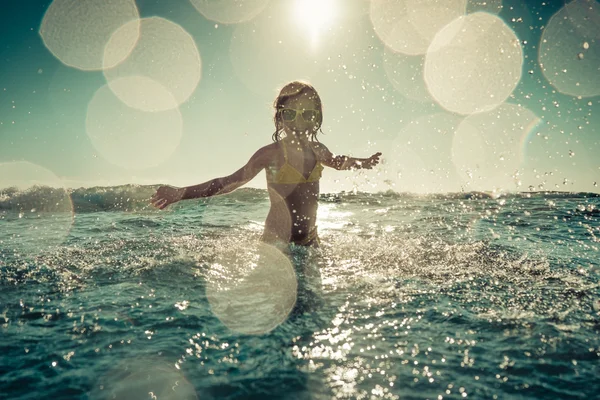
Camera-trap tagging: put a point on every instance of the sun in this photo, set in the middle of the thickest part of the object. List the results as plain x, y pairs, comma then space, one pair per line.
315, 16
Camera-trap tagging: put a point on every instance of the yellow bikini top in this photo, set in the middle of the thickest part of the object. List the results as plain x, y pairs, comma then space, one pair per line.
288, 174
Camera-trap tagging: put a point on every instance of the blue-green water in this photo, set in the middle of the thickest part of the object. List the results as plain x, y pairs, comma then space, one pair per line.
446, 296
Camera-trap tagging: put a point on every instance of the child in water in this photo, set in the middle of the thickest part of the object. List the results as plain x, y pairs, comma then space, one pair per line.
293, 165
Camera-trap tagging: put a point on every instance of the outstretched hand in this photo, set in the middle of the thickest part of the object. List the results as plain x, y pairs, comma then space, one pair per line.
370, 162
166, 195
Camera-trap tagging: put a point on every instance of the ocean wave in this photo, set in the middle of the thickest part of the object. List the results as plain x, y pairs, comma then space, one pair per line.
133, 197
48, 199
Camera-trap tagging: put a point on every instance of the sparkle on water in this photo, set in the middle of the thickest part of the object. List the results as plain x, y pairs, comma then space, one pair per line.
479, 294
408, 296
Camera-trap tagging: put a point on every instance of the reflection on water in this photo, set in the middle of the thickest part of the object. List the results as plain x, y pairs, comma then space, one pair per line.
477, 295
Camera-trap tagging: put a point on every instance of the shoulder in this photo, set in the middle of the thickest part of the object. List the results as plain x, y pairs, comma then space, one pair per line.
265, 154
320, 149
318, 146
269, 150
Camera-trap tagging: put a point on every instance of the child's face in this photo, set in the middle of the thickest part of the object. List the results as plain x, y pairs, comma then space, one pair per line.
304, 122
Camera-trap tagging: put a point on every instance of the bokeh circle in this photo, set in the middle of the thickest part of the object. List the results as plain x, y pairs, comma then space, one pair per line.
129, 137
252, 291
166, 54
77, 32
473, 64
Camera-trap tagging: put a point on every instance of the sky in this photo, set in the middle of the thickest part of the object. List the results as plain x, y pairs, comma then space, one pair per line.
458, 95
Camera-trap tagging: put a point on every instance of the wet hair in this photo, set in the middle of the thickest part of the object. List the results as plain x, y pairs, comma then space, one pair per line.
290, 91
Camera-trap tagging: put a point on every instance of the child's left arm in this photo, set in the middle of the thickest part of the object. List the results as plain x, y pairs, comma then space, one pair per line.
340, 162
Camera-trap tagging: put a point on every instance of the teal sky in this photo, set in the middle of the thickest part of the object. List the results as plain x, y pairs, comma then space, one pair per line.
64, 123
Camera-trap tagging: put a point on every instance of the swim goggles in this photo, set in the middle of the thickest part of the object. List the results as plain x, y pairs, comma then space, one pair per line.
290, 114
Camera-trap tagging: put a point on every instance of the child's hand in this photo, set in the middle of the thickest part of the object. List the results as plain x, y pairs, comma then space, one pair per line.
166, 195
370, 162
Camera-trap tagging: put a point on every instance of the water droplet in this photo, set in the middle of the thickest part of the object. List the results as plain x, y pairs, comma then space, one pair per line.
596, 305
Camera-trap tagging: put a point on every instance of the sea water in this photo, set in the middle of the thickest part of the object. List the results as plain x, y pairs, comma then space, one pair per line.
465, 295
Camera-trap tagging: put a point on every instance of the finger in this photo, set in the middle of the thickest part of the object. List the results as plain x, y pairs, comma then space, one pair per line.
156, 196
158, 202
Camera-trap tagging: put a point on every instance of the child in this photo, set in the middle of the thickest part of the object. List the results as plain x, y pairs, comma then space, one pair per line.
293, 165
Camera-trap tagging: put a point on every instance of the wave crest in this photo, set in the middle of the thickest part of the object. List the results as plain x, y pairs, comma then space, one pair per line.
133, 197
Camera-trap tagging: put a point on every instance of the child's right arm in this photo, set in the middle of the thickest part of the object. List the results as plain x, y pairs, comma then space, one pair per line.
166, 195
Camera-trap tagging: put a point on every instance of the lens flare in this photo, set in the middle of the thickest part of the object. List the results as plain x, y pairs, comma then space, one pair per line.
266, 53
473, 64
405, 73
569, 50
252, 292
315, 16
488, 6
229, 11
408, 26
144, 378
165, 53
486, 150
76, 32
421, 160
129, 137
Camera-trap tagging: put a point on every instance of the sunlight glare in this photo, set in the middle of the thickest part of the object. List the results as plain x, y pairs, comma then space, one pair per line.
315, 16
